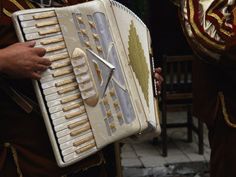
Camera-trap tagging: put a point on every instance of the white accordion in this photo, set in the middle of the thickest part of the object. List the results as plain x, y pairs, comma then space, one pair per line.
99, 88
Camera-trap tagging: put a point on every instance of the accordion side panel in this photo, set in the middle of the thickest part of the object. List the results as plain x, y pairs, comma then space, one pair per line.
134, 37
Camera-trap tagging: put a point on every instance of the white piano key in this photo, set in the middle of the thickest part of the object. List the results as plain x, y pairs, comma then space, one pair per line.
60, 107
62, 114
68, 137
69, 122
33, 16
51, 72
33, 36
73, 149
64, 100
74, 155
62, 53
52, 83
77, 139
67, 131
54, 89
30, 23
33, 29
57, 96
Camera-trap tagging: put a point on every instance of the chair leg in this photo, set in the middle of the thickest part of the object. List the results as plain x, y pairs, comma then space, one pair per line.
164, 132
200, 137
190, 124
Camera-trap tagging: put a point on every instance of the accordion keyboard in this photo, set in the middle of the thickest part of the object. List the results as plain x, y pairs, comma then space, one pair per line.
66, 85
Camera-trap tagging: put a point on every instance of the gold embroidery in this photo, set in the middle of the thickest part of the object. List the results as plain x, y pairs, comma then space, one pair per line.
218, 46
218, 19
234, 16
225, 114
6, 12
17, 4
30, 4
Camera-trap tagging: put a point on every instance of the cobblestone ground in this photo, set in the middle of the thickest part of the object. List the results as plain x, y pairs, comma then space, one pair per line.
192, 169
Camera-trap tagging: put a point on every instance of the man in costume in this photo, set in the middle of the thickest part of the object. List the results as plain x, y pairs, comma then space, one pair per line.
210, 27
24, 145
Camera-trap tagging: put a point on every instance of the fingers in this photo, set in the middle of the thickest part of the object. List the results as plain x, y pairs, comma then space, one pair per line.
29, 44
35, 75
39, 51
158, 70
44, 61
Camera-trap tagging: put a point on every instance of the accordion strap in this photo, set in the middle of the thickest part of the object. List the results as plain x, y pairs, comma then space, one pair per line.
20, 100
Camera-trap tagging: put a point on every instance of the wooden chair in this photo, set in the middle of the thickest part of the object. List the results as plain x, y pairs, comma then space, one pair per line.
177, 96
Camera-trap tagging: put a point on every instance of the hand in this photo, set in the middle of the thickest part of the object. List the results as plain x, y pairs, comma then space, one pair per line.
23, 60
159, 79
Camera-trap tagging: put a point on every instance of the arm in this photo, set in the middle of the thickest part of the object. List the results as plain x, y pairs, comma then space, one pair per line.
22, 60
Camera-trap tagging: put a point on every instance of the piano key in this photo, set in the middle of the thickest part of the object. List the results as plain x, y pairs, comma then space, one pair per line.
68, 89
74, 155
49, 30
61, 72
51, 40
61, 119
44, 15
73, 148
69, 137
72, 106
59, 101
57, 96
68, 107
58, 57
52, 83
30, 23
60, 64
34, 36
77, 131
85, 148
58, 82
82, 141
49, 22
80, 130
65, 125
42, 31
62, 89
70, 114
78, 140
77, 123
70, 98
74, 114
33, 16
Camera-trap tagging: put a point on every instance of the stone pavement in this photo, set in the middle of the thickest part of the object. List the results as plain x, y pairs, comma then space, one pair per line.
140, 157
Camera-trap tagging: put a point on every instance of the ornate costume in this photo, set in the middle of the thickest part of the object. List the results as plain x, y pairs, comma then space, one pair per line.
210, 28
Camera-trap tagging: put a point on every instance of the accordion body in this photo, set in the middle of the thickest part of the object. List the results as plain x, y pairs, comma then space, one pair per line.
99, 88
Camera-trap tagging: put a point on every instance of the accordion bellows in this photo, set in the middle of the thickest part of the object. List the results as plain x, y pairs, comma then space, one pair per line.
99, 88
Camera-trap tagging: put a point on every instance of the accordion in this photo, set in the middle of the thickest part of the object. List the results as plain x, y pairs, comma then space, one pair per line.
99, 87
